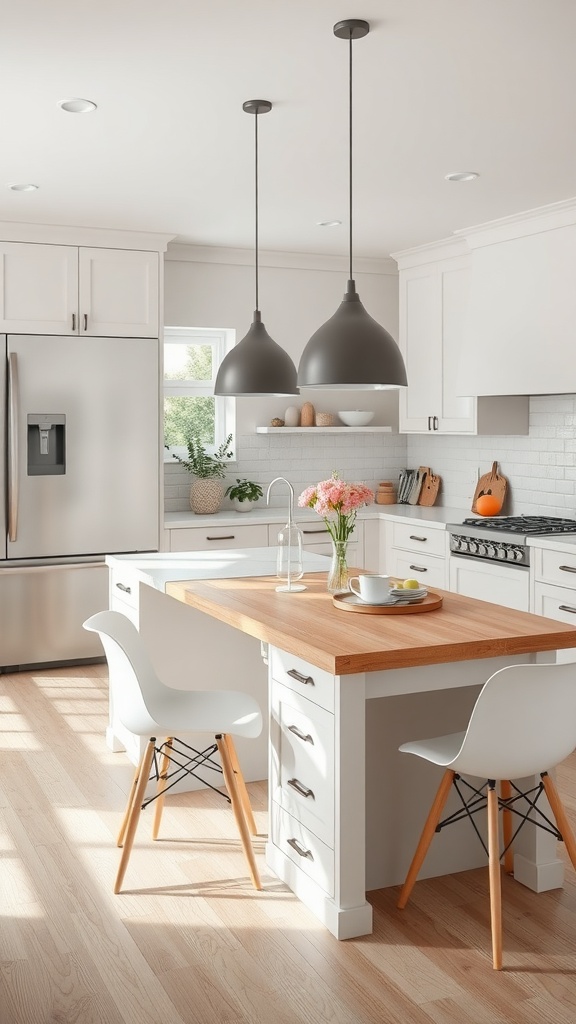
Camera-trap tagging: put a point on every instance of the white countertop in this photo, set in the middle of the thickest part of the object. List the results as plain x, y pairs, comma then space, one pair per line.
156, 569
434, 516
565, 542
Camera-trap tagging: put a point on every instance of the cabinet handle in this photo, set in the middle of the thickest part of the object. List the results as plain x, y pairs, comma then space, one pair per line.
567, 568
303, 790
122, 586
414, 537
73, 321
312, 532
85, 321
229, 536
566, 608
306, 737
435, 422
418, 568
299, 849
306, 680
429, 423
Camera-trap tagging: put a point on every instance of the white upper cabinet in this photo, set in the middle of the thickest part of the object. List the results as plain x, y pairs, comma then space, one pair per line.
434, 294
64, 289
522, 305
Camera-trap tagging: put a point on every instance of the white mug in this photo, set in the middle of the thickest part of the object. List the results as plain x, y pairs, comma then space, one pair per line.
371, 588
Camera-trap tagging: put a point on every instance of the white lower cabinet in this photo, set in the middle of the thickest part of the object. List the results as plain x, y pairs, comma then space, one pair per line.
206, 538
554, 588
490, 581
300, 845
418, 552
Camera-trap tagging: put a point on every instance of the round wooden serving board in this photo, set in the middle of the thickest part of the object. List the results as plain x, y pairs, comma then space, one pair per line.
428, 604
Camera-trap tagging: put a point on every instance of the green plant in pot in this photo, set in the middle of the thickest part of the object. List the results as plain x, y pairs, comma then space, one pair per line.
207, 491
244, 493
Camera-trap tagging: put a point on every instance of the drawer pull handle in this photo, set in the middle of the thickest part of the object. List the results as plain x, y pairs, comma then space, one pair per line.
229, 536
312, 532
567, 568
567, 608
419, 568
299, 849
414, 537
306, 680
306, 737
303, 790
122, 586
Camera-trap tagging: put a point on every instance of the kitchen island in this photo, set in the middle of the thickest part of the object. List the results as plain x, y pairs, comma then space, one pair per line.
345, 690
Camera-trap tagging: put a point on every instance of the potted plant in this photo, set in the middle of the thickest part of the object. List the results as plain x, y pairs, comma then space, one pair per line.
244, 493
206, 492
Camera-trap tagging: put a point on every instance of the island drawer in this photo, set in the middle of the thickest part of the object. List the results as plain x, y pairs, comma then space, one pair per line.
303, 678
302, 743
420, 539
555, 603
124, 593
207, 538
555, 567
306, 851
429, 570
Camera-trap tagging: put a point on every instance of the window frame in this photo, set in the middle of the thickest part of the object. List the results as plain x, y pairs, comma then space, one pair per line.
222, 341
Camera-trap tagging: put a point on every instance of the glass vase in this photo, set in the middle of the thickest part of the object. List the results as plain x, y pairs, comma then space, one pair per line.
337, 581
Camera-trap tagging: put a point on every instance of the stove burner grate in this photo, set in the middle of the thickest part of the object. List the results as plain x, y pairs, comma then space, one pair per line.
524, 524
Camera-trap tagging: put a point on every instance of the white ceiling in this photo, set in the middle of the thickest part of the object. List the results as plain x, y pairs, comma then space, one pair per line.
439, 86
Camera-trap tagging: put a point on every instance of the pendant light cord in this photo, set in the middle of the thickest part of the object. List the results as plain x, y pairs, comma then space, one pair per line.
350, 153
256, 200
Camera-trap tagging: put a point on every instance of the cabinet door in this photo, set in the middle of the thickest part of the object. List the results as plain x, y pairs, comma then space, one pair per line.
39, 288
118, 293
456, 415
420, 343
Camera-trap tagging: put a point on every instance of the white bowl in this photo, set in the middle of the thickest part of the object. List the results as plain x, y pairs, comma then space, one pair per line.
356, 417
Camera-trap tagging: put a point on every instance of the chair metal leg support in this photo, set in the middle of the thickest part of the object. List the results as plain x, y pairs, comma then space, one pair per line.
135, 810
560, 815
426, 837
494, 874
230, 780
505, 795
241, 785
162, 783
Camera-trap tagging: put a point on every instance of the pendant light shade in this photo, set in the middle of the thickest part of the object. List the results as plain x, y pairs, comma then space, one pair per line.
257, 365
351, 351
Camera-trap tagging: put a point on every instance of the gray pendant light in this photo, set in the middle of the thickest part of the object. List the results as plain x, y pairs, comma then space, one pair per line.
256, 365
351, 351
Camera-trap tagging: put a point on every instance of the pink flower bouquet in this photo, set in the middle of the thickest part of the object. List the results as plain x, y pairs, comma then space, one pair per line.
337, 502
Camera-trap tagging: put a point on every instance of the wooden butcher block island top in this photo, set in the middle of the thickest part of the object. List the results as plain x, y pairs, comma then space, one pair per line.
309, 626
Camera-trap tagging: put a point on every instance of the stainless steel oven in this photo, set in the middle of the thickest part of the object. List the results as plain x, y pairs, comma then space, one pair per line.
490, 558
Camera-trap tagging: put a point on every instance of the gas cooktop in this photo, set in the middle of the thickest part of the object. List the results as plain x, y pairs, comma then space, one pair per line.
526, 525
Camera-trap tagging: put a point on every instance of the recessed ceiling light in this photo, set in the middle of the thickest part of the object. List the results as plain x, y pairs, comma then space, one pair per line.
77, 106
462, 176
23, 188
328, 223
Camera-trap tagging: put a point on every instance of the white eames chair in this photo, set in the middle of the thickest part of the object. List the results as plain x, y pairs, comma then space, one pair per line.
523, 724
148, 708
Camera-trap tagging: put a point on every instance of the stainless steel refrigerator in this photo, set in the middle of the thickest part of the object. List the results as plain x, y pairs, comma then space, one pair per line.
79, 479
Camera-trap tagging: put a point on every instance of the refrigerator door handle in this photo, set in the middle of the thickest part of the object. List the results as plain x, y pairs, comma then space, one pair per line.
13, 447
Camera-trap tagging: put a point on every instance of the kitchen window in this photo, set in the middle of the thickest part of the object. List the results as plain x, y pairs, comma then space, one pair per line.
192, 357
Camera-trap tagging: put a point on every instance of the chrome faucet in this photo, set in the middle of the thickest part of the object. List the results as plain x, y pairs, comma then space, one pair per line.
289, 562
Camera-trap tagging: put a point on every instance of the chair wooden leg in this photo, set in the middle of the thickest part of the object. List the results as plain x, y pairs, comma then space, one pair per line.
426, 837
230, 780
122, 832
162, 780
494, 875
506, 793
241, 785
560, 815
135, 810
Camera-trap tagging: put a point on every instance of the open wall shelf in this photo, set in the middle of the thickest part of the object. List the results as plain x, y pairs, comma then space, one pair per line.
323, 430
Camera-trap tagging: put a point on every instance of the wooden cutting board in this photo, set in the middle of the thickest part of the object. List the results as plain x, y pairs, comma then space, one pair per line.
491, 483
430, 488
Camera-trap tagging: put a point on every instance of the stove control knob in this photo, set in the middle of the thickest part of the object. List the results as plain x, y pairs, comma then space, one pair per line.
462, 544
472, 546
481, 549
518, 555
501, 551
511, 554
490, 550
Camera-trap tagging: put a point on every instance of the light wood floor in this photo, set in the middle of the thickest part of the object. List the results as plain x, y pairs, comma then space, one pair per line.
191, 942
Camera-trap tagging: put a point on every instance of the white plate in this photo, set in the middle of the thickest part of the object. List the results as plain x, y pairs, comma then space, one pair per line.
351, 598
409, 595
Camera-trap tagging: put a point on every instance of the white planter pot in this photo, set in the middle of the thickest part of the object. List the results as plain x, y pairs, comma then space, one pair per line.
242, 506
